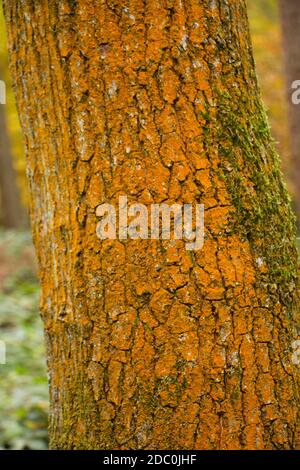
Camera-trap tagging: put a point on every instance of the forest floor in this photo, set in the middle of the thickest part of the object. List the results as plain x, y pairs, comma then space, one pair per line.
23, 390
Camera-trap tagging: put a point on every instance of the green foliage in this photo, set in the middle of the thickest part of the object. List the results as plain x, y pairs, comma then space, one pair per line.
23, 390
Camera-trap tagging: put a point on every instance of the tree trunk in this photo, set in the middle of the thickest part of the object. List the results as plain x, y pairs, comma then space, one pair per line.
11, 208
290, 20
151, 345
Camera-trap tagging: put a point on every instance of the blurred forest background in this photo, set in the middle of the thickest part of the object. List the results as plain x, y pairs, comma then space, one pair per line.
23, 389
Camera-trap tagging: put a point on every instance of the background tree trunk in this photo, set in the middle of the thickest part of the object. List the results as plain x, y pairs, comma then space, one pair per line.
150, 345
290, 20
12, 214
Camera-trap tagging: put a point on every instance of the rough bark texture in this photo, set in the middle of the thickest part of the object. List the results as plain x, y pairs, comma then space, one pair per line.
150, 345
12, 214
290, 19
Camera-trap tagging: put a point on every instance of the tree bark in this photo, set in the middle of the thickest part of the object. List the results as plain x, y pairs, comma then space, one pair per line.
12, 214
290, 20
150, 345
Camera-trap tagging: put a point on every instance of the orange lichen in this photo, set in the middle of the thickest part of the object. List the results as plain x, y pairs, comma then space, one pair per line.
150, 345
